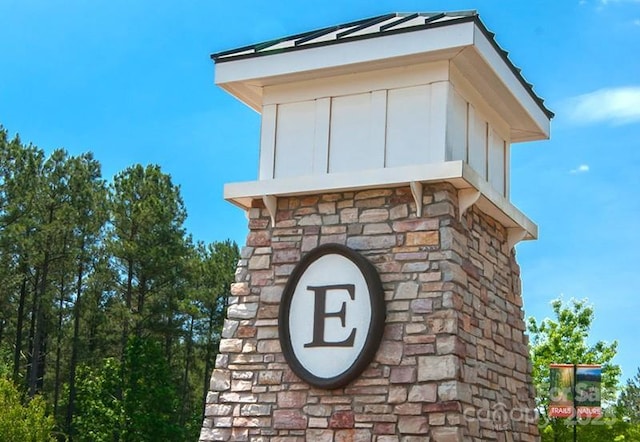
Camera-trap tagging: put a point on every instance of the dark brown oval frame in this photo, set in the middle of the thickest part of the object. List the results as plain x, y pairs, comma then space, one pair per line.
376, 326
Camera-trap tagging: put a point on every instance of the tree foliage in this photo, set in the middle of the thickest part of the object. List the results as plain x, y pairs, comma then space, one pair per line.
150, 396
629, 402
21, 422
565, 340
100, 413
134, 401
110, 315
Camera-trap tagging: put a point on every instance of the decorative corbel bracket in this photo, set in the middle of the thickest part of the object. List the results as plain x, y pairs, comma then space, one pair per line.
271, 203
514, 236
466, 198
416, 191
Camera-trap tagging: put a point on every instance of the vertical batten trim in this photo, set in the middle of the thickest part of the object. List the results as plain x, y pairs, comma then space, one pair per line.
268, 141
507, 169
503, 191
321, 136
438, 122
378, 130
329, 134
487, 148
467, 141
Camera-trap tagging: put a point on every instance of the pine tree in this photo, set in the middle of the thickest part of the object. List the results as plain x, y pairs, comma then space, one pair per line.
147, 244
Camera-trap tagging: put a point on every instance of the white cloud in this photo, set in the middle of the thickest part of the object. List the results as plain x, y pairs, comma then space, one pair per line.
583, 168
613, 105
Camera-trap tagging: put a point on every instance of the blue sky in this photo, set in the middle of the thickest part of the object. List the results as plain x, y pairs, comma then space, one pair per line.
132, 81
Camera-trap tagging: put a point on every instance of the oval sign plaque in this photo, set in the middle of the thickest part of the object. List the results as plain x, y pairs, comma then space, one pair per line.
332, 316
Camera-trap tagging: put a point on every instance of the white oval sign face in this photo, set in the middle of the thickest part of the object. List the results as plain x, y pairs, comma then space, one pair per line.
331, 316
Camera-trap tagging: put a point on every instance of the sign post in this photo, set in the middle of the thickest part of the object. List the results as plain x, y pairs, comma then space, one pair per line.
575, 414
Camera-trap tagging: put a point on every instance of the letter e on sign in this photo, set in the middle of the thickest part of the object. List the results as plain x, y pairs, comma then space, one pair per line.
332, 316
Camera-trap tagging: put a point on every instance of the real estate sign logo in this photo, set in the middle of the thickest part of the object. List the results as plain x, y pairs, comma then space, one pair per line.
332, 316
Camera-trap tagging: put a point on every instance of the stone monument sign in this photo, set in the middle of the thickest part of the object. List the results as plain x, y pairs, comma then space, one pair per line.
378, 295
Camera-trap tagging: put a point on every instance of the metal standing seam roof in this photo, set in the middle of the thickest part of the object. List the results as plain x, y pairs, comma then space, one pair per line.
387, 24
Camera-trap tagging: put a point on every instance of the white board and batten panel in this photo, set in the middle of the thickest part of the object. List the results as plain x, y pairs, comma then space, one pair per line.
295, 139
488, 152
321, 136
437, 127
457, 126
477, 142
352, 141
268, 141
408, 113
471, 138
496, 161
421, 124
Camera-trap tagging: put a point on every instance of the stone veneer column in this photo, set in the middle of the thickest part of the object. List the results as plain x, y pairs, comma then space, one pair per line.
453, 363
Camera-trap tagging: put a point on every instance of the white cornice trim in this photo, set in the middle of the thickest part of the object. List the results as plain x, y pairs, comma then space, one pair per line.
455, 172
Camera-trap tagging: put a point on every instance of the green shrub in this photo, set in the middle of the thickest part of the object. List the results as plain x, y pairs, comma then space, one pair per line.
21, 422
